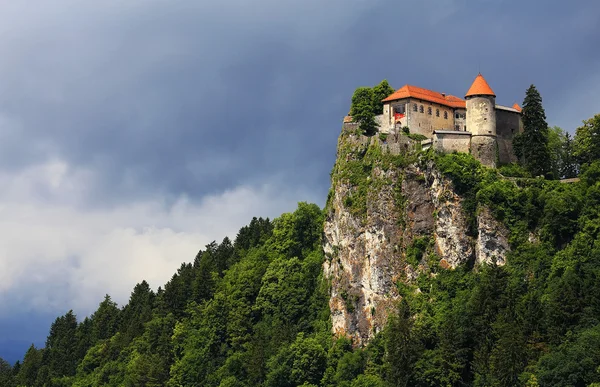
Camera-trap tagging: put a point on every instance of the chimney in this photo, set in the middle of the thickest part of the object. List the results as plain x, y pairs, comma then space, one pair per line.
444, 95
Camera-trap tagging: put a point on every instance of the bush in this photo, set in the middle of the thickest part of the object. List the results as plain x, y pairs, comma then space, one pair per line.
513, 170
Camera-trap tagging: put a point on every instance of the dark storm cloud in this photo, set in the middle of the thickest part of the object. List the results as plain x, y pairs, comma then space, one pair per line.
177, 97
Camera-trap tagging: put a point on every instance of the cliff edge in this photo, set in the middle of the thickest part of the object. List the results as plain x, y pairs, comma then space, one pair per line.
391, 215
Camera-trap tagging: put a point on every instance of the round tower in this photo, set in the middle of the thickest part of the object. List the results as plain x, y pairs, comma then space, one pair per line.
481, 121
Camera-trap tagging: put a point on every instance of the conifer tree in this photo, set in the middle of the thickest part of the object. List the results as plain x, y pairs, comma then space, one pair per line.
61, 346
6, 374
400, 347
28, 371
531, 146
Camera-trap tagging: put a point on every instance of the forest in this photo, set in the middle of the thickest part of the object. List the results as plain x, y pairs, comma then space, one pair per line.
253, 310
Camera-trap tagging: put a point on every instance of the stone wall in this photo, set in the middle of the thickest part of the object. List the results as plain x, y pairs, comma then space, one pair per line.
484, 149
508, 124
451, 141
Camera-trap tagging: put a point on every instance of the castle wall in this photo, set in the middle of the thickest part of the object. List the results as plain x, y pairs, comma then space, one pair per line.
484, 149
508, 124
451, 141
460, 120
425, 123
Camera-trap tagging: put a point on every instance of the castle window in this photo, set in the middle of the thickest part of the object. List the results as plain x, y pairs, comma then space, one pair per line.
437, 112
457, 115
465, 128
445, 115
429, 110
414, 107
421, 109
457, 127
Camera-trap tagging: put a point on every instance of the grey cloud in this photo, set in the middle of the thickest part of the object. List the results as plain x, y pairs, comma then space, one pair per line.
196, 97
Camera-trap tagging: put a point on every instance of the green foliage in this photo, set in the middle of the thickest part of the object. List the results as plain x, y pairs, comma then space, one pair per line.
254, 312
513, 170
418, 247
531, 146
7, 377
366, 104
586, 147
357, 166
562, 158
381, 92
362, 110
416, 136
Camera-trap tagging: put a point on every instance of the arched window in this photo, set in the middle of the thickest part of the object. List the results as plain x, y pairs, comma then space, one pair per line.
437, 112
445, 115
429, 110
421, 109
414, 107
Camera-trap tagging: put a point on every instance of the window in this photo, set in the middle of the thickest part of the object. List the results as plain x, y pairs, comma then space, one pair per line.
414, 107
445, 115
465, 128
457, 127
437, 112
421, 109
429, 110
457, 115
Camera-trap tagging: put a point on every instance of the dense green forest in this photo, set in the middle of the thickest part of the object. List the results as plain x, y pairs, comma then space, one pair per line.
254, 311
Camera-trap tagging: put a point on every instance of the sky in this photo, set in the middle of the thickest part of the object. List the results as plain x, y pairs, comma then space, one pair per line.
134, 133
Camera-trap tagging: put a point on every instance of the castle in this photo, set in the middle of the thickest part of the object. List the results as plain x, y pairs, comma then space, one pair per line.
475, 124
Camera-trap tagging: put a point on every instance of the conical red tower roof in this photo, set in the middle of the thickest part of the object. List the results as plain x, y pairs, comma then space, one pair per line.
480, 87
517, 107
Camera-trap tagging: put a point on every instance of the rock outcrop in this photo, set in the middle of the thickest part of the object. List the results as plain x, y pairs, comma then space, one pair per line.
390, 217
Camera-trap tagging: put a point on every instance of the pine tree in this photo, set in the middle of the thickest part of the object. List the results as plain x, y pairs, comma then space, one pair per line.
6, 374
105, 321
28, 371
531, 146
400, 347
138, 311
61, 346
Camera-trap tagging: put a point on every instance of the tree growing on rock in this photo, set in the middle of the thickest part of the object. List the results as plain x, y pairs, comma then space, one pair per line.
366, 104
362, 110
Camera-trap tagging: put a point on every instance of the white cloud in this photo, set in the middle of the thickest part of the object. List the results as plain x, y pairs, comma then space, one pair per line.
55, 256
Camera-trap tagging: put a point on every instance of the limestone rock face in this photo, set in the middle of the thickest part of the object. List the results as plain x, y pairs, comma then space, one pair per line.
492, 239
370, 246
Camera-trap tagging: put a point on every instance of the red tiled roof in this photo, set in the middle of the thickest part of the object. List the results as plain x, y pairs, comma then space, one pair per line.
517, 107
408, 91
480, 87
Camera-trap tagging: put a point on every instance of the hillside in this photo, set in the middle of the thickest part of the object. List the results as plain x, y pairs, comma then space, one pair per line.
423, 269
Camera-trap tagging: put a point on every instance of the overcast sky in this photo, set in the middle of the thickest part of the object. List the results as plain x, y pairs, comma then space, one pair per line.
134, 133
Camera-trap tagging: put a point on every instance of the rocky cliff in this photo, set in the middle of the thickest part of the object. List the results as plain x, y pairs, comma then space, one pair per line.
392, 215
